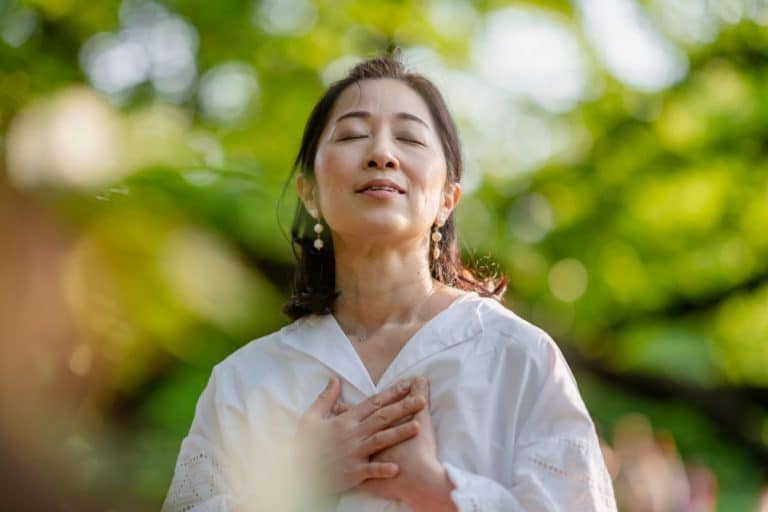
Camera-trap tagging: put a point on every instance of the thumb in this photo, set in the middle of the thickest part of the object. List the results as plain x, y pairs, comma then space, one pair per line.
326, 400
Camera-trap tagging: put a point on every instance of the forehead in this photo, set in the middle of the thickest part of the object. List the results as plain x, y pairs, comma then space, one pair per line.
382, 97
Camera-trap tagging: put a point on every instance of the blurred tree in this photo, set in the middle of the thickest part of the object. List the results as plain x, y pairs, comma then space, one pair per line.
615, 171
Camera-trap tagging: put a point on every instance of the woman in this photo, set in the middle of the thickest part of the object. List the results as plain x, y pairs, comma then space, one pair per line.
435, 396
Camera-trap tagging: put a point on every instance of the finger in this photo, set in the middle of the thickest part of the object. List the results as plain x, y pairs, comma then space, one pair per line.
378, 470
421, 386
386, 416
385, 438
379, 400
324, 403
340, 407
421, 389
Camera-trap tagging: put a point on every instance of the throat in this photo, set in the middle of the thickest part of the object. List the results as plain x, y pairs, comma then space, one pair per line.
363, 320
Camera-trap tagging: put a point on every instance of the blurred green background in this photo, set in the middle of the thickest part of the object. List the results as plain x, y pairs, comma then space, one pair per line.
616, 172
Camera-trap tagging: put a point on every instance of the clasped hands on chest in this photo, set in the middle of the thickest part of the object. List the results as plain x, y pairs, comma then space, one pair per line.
384, 445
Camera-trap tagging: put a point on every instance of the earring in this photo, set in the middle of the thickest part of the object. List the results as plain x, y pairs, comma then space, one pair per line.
318, 230
436, 237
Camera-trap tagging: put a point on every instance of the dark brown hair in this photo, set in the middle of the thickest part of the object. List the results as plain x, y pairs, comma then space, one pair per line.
315, 280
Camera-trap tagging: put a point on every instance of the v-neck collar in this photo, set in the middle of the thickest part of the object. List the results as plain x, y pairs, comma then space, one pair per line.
321, 337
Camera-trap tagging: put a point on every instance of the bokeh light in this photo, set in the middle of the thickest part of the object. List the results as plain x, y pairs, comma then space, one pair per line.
614, 172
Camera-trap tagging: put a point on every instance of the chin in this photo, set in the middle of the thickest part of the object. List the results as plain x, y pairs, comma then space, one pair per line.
380, 230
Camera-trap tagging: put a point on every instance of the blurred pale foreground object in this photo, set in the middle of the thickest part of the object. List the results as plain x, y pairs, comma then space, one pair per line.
274, 473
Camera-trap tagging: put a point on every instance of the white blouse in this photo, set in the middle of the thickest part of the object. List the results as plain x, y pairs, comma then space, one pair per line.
511, 428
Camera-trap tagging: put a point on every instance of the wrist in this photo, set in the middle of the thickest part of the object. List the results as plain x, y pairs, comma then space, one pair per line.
433, 492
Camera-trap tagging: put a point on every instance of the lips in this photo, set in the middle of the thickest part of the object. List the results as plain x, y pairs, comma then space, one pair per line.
381, 185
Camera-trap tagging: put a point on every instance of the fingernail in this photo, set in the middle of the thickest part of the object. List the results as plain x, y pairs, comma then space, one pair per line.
404, 385
331, 380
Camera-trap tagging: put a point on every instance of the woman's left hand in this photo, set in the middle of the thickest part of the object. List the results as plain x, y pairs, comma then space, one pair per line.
422, 482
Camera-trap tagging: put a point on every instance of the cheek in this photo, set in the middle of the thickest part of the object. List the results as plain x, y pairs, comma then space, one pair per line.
324, 160
334, 157
432, 183
329, 175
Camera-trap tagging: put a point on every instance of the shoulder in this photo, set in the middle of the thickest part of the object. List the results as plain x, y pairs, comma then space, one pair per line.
527, 351
506, 328
516, 340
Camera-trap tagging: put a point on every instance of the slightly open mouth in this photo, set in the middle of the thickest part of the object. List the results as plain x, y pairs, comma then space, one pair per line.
379, 188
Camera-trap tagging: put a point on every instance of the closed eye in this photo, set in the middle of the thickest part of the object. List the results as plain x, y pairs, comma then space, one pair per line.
411, 140
352, 137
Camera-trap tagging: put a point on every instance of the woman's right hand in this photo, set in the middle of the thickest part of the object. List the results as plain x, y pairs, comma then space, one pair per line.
343, 438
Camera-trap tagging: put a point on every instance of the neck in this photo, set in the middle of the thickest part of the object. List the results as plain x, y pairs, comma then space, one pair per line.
380, 286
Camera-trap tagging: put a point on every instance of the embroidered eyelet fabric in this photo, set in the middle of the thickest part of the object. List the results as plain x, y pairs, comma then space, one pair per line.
199, 482
552, 472
510, 426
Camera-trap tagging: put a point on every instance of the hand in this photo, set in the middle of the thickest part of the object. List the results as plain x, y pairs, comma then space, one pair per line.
344, 437
422, 482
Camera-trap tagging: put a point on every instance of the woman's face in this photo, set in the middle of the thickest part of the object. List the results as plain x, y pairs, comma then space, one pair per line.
380, 171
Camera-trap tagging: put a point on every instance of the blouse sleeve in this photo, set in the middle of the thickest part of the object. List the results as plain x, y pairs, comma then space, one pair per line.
202, 480
558, 464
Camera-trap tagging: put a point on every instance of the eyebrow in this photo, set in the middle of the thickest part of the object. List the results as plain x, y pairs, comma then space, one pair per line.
365, 115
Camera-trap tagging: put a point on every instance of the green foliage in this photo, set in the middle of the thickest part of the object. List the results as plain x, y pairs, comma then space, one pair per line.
640, 241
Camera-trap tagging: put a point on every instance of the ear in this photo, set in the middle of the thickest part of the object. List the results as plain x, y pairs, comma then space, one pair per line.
451, 196
307, 191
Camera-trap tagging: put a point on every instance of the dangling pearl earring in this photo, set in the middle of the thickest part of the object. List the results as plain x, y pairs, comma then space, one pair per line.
436, 237
319, 244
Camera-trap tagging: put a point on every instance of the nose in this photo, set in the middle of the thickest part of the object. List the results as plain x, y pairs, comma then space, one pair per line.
381, 155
